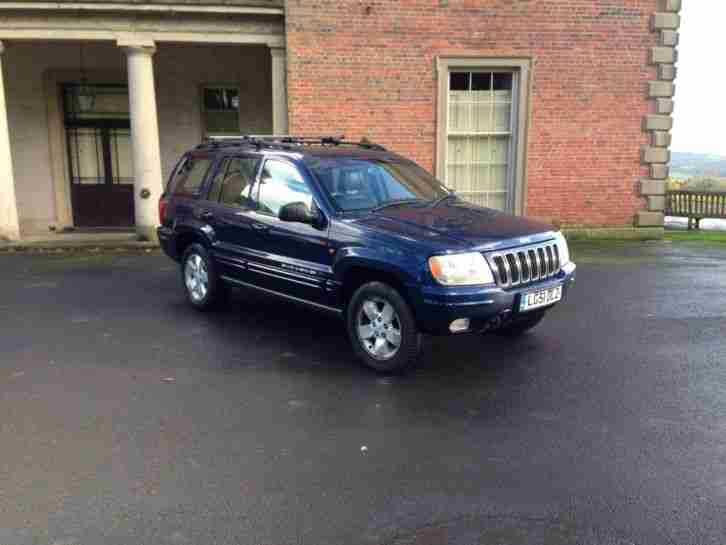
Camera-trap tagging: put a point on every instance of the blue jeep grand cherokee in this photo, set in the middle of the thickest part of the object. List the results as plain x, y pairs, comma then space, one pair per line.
356, 230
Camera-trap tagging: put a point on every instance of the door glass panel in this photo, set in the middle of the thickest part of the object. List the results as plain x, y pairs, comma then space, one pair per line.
83, 102
121, 159
85, 148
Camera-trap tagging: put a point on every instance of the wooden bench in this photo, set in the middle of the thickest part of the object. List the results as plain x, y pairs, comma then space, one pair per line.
695, 205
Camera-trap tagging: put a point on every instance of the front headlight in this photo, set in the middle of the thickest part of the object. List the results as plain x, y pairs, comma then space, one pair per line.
562, 248
461, 269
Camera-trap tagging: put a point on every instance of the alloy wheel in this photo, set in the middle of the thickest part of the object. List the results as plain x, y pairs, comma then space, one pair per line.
196, 277
378, 328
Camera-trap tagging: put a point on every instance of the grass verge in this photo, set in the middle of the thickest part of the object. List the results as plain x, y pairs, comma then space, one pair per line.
696, 236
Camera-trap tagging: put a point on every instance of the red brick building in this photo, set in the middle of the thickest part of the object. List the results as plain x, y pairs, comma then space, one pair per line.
558, 109
581, 80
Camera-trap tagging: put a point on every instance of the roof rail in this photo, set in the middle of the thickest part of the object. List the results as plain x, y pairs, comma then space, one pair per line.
284, 141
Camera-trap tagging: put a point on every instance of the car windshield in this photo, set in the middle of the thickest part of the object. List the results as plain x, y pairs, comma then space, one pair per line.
364, 184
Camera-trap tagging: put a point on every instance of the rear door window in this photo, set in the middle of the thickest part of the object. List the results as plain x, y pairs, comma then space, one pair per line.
189, 175
233, 183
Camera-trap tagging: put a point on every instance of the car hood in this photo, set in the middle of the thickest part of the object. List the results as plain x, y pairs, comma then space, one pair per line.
458, 223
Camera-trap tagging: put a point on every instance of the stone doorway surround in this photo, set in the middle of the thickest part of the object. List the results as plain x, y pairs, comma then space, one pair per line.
58, 145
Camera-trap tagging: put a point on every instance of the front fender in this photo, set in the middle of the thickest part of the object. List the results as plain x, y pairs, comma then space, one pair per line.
405, 268
385, 259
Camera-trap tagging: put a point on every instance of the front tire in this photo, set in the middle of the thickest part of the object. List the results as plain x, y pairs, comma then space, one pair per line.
203, 287
382, 328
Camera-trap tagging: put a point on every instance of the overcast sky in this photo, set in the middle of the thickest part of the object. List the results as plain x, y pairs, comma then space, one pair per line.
700, 109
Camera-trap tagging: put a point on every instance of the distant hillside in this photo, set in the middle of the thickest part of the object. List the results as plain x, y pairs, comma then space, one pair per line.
688, 165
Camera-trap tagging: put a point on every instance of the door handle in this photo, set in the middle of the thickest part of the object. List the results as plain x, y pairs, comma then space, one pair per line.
205, 215
260, 227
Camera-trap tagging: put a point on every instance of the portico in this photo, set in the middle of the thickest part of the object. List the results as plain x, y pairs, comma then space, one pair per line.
95, 101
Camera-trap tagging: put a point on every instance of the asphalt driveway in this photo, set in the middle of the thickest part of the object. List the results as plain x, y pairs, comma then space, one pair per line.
128, 418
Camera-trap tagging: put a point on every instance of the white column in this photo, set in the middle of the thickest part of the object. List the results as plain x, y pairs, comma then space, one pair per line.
9, 226
146, 152
279, 90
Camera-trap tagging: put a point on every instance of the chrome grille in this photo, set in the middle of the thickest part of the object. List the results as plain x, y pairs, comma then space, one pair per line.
522, 266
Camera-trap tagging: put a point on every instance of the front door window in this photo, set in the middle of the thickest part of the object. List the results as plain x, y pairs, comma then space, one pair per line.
281, 184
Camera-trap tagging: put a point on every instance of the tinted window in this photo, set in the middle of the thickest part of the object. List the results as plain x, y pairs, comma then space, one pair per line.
360, 184
233, 181
281, 184
189, 175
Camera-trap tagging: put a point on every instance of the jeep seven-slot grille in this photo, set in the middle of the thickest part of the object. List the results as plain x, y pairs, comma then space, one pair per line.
522, 266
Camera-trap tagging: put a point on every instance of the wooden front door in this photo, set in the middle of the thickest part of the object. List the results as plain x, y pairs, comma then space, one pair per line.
99, 155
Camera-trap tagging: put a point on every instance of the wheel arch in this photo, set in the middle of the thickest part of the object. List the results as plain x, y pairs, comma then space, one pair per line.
187, 237
358, 272
409, 348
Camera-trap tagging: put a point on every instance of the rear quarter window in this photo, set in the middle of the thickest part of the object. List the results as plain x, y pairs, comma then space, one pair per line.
189, 175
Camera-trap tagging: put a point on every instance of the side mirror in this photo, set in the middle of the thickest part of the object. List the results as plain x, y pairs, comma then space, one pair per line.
298, 212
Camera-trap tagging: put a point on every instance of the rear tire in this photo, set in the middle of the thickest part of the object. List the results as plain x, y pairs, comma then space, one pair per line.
521, 325
202, 285
382, 329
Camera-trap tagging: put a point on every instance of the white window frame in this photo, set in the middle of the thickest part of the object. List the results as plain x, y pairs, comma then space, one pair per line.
520, 68
204, 108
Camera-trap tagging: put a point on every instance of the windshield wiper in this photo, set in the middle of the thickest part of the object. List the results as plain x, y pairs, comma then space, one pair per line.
396, 203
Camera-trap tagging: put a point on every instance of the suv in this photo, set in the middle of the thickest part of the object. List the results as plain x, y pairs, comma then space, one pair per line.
356, 230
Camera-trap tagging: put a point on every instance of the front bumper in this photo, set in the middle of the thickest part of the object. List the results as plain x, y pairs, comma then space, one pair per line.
437, 306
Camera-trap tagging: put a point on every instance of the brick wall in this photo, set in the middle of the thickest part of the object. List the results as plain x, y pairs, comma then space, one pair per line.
251, 3
367, 67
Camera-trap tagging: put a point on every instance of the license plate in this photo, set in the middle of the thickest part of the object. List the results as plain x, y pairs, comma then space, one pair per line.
540, 298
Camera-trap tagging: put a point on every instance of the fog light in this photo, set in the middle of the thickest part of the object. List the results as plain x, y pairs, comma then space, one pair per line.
457, 326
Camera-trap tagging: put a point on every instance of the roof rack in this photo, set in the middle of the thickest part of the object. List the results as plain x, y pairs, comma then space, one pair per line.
283, 141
